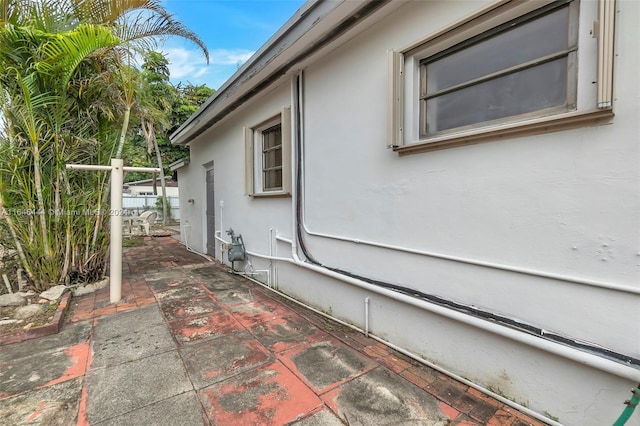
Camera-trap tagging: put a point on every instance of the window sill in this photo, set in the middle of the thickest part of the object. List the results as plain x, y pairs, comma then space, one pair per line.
521, 128
274, 194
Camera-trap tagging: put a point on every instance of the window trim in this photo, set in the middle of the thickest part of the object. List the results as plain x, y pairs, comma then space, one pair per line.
254, 161
483, 20
533, 126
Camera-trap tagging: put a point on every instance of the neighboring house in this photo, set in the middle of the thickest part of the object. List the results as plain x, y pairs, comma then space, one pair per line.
145, 187
461, 178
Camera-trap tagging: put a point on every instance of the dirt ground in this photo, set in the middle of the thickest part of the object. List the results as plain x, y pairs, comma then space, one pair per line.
42, 318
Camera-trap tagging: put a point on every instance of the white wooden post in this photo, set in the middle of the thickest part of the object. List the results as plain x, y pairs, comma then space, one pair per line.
115, 251
115, 269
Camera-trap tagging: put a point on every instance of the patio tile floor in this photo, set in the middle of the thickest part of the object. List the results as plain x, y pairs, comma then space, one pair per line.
191, 343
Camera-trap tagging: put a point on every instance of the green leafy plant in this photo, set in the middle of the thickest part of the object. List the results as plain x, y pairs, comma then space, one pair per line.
67, 93
159, 202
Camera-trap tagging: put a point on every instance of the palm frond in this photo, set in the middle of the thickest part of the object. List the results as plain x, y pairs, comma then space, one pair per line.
139, 27
108, 12
9, 12
66, 51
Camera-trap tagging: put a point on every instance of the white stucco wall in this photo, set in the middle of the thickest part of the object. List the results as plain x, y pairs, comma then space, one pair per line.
223, 149
565, 203
562, 203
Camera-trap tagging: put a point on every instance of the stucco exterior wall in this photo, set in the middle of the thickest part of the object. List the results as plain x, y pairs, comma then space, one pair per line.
533, 228
222, 148
560, 203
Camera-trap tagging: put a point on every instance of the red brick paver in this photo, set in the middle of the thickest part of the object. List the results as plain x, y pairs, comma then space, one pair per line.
195, 311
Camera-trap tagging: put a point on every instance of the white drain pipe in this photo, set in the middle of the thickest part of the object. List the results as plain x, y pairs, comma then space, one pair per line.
608, 366
467, 382
366, 316
591, 360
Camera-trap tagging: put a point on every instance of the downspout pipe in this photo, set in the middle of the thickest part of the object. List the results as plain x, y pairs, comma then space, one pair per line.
297, 169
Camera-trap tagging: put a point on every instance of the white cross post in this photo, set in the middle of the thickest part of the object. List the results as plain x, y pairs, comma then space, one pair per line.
117, 178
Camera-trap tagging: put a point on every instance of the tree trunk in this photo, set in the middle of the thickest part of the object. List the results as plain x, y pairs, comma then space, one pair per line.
154, 183
37, 177
150, 136
107, 188
16, 241
123, 131
67, 248
162, 182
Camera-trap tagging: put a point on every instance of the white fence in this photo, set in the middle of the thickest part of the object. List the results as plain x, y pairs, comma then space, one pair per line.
136, 204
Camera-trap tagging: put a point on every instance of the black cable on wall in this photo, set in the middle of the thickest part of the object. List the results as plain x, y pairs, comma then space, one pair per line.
470, 310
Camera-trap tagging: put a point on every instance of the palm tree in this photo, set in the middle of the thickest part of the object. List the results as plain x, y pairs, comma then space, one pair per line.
36, 69
159, 94
59, 62
137, 23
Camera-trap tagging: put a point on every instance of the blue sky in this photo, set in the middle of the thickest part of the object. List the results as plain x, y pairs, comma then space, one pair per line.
232, 31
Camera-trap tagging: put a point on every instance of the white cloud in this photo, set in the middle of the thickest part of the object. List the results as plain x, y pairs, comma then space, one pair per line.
190, 65
184, 62
201, 72
229, 57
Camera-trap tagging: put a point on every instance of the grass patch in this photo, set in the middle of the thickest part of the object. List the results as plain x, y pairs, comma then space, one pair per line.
132, 242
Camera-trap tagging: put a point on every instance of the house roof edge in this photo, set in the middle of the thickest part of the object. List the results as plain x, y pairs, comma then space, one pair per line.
247, 69
316, 24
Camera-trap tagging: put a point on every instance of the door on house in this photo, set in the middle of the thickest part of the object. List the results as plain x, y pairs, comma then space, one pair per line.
211, 215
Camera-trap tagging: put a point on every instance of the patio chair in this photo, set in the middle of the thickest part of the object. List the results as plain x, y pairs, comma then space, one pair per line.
144, 221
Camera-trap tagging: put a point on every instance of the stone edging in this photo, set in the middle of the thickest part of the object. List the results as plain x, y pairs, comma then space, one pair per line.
44, 330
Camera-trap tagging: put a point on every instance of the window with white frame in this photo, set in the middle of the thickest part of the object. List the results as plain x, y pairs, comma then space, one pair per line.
268, 156
510, 68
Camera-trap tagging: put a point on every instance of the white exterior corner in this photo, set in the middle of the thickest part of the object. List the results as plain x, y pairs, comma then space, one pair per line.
521, 234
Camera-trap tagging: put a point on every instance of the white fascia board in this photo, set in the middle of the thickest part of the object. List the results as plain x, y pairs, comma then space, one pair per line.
178, 164
314, 21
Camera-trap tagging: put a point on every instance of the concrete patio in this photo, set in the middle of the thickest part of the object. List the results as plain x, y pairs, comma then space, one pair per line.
192, 344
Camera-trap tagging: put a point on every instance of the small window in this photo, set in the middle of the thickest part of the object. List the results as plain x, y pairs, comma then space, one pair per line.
268, 156
523, 66
271, 139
